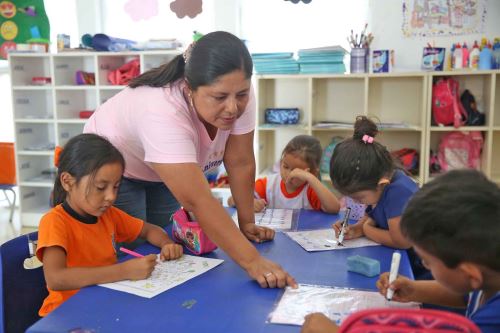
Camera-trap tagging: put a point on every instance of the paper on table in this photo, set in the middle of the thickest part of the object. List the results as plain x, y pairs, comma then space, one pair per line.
280, 219
335, 303
325, 240
166, 275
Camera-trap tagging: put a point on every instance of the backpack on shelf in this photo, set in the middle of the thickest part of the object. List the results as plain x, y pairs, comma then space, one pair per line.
446, 106
474, 117
324, 166
460, 150
409, 159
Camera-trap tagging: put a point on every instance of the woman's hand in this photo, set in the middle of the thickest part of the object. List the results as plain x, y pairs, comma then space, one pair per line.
171, 251
269, 274
256, 233
404, 290
140, 268
318, 323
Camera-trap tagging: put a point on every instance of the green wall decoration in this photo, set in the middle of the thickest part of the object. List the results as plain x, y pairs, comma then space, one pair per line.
22, 22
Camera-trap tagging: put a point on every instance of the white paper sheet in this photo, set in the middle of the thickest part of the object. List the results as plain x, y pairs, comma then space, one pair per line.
166, 275
277, 219
335, 303
325, 240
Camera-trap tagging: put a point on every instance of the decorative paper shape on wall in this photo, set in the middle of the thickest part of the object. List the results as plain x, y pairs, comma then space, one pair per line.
141, 9
424, 18
297, 1
189, 8
22, 21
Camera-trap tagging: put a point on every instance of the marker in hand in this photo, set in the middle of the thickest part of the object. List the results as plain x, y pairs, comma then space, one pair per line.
343, 226
396, 258
132, 253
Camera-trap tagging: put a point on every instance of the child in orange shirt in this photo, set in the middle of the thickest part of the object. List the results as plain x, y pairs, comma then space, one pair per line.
298, 184
76, 239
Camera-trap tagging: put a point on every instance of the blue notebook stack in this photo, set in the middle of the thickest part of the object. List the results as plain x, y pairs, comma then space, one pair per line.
321, 60
275, 63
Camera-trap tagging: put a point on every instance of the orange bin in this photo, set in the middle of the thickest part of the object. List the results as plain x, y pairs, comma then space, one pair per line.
7, 163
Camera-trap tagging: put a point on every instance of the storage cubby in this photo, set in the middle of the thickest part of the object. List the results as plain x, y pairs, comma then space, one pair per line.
397, 100
153, 60
496, 115
70, 102
23, 68
67, 65
32, 104
495, 157
34, 137
66, 131
337, 99
34, 202
108, 92
107, 63
36, 170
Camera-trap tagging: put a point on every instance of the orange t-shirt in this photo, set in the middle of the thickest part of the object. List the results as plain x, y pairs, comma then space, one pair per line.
85, 244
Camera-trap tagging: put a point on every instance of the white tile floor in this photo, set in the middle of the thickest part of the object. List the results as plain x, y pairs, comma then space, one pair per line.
10, 230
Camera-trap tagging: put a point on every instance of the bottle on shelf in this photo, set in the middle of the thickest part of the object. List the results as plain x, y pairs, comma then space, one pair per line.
485, 58
465, 56
474, 56
458, 57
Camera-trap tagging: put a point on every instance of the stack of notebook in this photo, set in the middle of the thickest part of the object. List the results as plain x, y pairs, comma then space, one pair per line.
328, 59
275, 63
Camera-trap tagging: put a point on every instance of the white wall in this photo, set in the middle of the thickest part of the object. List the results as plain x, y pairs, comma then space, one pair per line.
385, 22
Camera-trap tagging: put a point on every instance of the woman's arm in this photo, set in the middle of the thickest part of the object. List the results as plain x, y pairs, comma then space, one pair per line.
190, 187
392, 237
60, 277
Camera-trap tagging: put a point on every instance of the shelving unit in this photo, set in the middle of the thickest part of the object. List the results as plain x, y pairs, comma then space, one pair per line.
389, 97
48, 115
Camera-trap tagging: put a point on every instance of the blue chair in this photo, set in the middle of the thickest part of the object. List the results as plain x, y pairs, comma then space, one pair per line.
22, 290
5, 188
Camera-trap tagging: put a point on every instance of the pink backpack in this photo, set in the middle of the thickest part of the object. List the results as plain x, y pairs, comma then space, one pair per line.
460, 150
391, 320
446, 106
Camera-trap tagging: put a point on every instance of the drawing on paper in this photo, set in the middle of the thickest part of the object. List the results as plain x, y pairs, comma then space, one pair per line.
277, 219
166, 275
325, 240
424, 18
335, 303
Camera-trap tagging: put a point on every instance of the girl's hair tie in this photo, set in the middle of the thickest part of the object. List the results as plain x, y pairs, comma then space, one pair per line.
367, 139
187, 53
57, 155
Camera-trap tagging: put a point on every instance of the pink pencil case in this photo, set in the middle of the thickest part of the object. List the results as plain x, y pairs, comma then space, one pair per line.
190, 234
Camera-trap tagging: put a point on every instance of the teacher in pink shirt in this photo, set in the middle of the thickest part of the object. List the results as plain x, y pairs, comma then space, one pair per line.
178, 121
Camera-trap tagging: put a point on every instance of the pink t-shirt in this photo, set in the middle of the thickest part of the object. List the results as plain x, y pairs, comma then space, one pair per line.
156, 125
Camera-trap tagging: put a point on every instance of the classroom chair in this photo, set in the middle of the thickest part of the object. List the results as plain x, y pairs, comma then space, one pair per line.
407, 321
22, 290
8, 174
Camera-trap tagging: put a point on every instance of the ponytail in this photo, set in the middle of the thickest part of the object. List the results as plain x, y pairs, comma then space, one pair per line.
162, 75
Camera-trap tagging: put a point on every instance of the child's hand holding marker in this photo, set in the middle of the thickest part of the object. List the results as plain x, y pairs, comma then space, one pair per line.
404, 290
140, 268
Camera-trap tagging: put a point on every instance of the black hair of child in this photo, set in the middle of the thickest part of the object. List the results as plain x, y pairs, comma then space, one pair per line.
84, 155
308, 148
357, 165
456, 218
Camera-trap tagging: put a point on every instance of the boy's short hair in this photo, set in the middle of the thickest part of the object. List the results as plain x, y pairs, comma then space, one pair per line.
456, 218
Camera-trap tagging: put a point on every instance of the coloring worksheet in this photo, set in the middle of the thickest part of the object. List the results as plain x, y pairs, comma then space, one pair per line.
166, 275
335, 303
277, 219
325, 240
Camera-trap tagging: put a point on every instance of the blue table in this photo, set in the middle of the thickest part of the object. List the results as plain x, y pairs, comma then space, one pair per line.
222, 300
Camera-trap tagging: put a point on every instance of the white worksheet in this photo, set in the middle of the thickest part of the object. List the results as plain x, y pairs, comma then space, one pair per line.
325, 240
335, 303
166, 275
277, 219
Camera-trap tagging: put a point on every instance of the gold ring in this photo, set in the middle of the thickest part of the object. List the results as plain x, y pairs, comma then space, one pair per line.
268, 274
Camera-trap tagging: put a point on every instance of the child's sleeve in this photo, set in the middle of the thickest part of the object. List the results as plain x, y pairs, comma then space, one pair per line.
396, 201
51, 232
260, 187
313, 199
128, 228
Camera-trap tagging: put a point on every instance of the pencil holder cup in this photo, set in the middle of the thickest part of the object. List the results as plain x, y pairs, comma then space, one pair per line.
359, 59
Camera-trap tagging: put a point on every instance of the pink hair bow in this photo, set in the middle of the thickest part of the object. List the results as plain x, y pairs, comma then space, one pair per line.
367, 139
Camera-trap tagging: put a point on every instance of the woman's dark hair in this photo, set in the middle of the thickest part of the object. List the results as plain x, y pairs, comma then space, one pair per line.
456, 218
308, 148
213, 55
357, 165
84, 155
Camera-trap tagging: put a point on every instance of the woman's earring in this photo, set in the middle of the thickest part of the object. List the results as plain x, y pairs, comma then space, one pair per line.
191, 100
